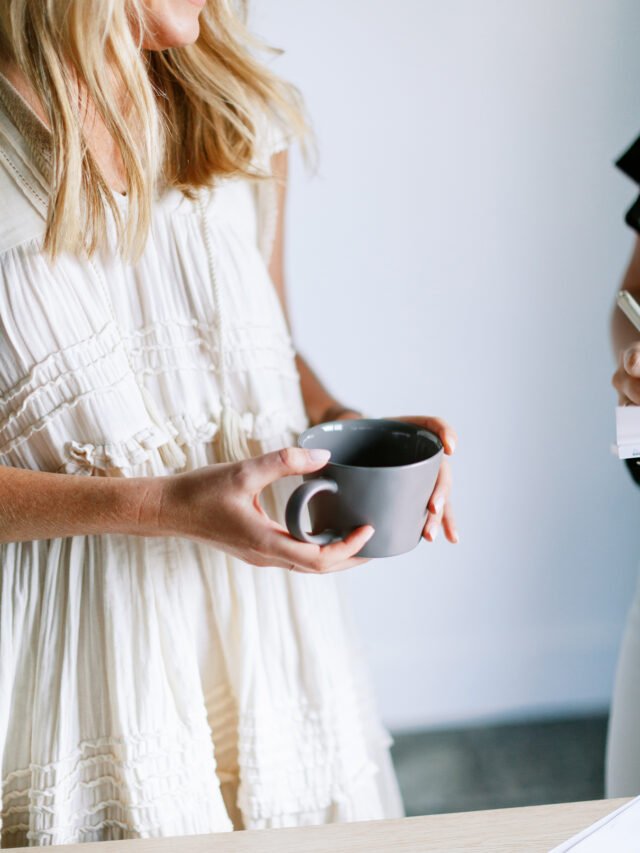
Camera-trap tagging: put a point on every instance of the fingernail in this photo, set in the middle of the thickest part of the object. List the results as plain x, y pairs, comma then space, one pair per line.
451, 444
369, 534
438, 504
318, 454
433, 533
454, 534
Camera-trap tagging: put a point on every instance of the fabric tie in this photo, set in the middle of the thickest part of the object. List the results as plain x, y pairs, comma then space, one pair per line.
232, 439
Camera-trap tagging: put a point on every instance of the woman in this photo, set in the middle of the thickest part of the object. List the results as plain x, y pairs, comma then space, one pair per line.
169, 664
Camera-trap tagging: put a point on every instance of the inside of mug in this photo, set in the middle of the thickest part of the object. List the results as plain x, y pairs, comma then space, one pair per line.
373, 443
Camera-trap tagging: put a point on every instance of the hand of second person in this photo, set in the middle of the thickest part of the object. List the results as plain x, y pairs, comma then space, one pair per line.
626, 379
440, 512
219, 504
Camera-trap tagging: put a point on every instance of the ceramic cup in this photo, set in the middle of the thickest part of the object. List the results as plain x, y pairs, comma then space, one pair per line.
381, 472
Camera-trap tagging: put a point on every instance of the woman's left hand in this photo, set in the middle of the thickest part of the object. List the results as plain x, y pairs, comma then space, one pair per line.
440, 512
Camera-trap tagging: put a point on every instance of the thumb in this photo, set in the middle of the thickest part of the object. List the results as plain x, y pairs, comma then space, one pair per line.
631, 361
264, 469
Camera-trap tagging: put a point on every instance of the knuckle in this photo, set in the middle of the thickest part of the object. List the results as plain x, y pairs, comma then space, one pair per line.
242, 476
328, 561
632, 358
319, 564
288, 457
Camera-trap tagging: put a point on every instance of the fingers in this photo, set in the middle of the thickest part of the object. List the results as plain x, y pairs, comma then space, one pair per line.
440, 490
437, 503
282, 549
631, 360
627, 387
626, 379
449, 525
339, 567
440, 513
445, 520
445, 433
259, 471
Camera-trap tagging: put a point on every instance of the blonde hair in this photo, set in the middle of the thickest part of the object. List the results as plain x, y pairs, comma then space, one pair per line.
190, 114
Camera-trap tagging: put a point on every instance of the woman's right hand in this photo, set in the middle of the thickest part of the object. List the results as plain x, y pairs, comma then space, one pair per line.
219, 504
626, 379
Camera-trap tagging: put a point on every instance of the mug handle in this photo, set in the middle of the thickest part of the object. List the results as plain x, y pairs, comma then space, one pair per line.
296, 505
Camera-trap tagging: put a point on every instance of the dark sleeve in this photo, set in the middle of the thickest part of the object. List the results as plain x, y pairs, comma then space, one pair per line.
633, 466
629, 163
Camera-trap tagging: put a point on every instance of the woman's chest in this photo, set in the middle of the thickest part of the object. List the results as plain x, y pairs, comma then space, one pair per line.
80, 339
200, 276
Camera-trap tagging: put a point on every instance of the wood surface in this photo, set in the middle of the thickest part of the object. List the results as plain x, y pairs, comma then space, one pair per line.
529, 830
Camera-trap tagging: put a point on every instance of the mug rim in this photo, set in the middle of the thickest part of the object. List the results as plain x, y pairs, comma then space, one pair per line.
412, 427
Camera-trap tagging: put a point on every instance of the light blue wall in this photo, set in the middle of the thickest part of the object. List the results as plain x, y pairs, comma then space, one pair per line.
458, 255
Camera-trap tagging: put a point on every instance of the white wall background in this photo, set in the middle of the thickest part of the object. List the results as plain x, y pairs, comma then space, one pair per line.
458, 254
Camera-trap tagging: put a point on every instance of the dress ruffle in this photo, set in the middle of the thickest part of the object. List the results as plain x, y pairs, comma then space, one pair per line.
306, 759
116, 787
123, 458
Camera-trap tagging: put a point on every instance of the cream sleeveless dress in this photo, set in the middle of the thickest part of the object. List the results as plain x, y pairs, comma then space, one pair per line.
155, 686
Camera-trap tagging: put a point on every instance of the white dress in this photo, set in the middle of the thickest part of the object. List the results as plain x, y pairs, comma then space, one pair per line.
156, 686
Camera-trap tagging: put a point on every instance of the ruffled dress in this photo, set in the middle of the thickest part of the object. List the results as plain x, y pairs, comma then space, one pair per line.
158, 686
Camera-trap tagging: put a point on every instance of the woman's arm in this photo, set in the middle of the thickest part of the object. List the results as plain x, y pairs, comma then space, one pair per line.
319, 403
217, 505
39, 505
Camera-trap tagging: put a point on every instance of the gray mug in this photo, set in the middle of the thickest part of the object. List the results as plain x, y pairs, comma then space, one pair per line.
381, 472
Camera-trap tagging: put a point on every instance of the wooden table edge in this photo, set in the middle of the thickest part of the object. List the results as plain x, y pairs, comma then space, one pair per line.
533, 829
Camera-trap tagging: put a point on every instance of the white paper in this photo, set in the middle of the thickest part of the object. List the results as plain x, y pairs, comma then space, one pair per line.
628, 432
618, 832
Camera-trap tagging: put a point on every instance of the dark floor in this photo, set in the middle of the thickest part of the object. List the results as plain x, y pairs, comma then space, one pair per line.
489, 767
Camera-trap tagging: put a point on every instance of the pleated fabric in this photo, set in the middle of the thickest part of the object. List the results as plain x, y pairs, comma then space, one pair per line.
158, 686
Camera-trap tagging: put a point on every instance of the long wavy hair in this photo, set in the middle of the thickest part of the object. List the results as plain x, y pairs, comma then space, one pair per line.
188, 115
